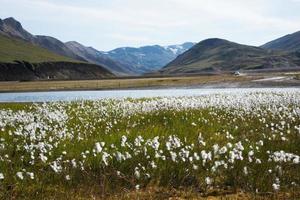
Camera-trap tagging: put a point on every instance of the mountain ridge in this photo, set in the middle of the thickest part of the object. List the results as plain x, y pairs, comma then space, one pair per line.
133, 62
290, 42
219, 55
12, 28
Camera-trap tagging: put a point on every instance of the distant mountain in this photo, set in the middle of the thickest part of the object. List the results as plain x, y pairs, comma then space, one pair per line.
12, 28
218, 55
289, 42
148, 58
97, 57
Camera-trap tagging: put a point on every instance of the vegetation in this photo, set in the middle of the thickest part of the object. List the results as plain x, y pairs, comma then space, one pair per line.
14, 49
213, 144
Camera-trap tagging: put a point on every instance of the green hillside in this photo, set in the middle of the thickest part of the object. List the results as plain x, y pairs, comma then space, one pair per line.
13, 49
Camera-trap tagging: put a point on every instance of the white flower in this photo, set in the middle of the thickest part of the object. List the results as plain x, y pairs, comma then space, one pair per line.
20, 175
173, 156
123, 140
245, 170
1, 176
276, 186
31, 175
98, 147
137, 173
137, 187
68, 177
208, 181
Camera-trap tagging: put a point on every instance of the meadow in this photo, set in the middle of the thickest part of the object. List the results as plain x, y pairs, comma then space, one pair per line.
210, 145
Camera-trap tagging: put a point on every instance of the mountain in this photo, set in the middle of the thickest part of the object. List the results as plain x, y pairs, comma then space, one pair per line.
289, 42
12, 28
148, 58
218, 55
21, 59
94, 56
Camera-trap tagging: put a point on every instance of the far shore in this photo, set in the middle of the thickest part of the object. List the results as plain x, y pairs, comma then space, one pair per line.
283, 79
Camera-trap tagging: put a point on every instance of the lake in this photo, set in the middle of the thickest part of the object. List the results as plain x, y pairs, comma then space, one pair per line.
142, 93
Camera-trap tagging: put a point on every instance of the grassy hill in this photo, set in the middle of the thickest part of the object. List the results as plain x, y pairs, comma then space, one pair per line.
14, 49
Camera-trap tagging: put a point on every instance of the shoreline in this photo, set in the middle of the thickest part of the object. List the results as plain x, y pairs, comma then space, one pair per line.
210, 81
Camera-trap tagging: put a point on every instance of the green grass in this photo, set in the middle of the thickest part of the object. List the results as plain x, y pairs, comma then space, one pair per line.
89, 124
14, 49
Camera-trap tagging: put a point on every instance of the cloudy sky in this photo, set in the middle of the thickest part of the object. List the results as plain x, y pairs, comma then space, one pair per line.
107, 24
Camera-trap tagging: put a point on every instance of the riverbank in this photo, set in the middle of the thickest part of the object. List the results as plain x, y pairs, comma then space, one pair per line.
198, 81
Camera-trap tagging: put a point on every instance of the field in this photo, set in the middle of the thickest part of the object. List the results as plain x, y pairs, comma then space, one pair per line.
238, 146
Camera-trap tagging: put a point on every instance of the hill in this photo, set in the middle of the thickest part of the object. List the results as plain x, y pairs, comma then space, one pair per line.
15, 49
218, 55
289, 42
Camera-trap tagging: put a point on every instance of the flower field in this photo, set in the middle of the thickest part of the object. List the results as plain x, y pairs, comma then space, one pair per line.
246, 142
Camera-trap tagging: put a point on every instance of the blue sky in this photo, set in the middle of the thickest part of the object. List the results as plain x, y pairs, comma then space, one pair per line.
107, 24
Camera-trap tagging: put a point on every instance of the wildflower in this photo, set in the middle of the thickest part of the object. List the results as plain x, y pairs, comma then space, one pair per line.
276, 186
67, 177
98, 147
20, 175
137, 173
208, 181
1, 176
137, 187
31, 175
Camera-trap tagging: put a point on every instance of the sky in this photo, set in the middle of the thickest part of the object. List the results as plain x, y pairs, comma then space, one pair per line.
108, 24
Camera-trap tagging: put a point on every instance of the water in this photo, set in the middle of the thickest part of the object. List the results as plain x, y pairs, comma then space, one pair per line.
93, 95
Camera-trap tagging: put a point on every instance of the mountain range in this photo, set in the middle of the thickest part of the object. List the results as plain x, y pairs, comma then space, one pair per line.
121, 61
36, 53
148, 58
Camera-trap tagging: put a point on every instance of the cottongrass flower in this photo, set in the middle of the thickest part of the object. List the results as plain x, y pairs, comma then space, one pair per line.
20, 175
